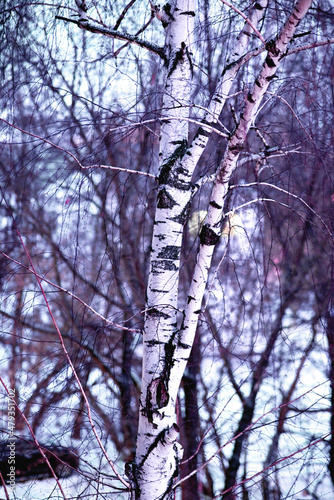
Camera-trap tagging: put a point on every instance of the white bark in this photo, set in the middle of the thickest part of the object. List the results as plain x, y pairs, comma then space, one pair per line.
157, 453
211, 231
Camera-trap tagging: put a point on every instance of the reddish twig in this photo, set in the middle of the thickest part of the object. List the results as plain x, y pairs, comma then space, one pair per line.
60, 288
35, 439
90, 418
4, 486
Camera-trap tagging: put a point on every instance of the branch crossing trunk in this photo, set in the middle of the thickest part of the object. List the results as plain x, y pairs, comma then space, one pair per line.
166, 345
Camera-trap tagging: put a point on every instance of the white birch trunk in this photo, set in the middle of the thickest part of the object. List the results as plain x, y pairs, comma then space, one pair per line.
157, 453
210, 233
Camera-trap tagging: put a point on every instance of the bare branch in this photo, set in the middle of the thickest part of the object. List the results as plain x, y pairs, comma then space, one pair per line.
309, 46
112, 33
35, 439
178, 483
39, 281
123, 14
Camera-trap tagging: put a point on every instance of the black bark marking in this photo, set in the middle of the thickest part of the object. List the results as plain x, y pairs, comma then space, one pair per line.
181, 170
238, 147
155, 313
162, 393
183, 216
215, 205
270, 63
178, 58
169, 356
302, 34
250, 98
258, 6
271, 48
228, 67
184, 346
159, 439
157, 395
167, 8
207, 236
188, 13
131, 471
166, 168
201, 131
190, 298
148, 410
154, 396
189, 54
170, 252
164, 200
152, 343
176, 470
165, 265
269, 78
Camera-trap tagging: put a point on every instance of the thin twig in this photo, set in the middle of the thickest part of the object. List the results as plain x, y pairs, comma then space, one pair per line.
4, 486
119, 169
104, 319
292, 195
248, 428
308, 446
35, 439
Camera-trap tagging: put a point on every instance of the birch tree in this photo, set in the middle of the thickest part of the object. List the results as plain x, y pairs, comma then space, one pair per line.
167, 343
171, 312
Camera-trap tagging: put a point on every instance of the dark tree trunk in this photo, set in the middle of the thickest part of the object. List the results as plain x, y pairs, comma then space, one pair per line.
249, 407
129, 422
190, 489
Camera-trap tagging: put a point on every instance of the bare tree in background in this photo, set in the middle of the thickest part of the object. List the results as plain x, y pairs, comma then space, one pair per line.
166, 243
